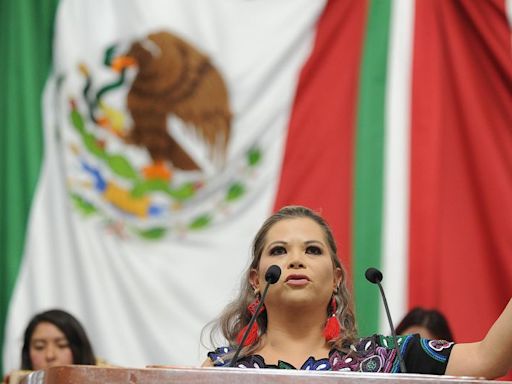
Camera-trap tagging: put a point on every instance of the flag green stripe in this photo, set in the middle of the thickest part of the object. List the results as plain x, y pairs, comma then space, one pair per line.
25, 46
369, 164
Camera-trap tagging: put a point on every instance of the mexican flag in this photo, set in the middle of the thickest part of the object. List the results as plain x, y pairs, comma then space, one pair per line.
172, 129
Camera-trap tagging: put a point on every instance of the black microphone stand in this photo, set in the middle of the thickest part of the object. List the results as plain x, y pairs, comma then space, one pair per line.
374, 276
393, 332
271, 277
253, 319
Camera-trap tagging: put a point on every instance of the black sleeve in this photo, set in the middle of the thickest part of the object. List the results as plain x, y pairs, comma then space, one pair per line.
425, 356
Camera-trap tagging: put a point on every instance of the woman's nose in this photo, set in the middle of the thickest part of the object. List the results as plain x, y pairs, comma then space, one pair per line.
295, 260
50, 353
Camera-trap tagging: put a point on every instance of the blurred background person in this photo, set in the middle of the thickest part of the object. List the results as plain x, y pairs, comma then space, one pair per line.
429, 323
53, 338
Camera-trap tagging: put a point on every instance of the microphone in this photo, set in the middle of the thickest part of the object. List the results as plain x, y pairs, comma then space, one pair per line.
271, 277
374, 276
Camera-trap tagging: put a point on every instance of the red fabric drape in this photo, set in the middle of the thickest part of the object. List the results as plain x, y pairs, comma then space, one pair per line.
461, 163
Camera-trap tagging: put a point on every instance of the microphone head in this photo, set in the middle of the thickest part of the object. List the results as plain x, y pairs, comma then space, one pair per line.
373, 275
273, 274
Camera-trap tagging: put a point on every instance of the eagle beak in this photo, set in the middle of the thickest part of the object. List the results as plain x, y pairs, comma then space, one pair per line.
122, 62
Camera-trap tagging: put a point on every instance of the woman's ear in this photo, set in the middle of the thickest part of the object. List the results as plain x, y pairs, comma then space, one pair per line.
254, 279
338, 278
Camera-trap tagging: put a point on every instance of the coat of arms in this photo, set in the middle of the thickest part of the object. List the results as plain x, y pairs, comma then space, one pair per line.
151, 127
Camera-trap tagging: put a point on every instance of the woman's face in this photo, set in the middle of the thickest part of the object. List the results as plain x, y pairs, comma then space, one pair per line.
49, 347
298, 246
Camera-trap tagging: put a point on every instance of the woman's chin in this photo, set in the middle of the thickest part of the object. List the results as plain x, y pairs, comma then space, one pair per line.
300, 298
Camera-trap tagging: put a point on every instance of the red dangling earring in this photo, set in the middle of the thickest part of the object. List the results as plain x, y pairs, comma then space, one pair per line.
332, 327
252, 337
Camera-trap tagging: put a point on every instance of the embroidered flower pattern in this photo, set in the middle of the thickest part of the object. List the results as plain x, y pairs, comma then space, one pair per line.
366, 356
439, 345
370, 354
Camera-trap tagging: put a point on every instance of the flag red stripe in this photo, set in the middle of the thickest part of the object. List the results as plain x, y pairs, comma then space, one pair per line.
318, 161
461, 163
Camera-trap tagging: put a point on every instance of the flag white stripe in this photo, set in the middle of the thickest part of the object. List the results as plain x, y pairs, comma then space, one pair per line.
396, 170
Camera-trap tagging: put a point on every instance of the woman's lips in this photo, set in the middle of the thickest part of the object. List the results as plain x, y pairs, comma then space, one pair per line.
297, 280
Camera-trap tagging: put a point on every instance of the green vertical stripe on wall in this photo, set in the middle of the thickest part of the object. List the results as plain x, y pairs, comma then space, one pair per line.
369, 164
25, 47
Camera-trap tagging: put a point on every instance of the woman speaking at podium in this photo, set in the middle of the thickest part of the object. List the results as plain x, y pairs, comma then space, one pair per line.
307, 322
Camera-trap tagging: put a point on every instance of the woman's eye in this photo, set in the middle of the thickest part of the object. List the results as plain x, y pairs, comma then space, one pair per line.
63, 346
38, 347
278, 250
314, 250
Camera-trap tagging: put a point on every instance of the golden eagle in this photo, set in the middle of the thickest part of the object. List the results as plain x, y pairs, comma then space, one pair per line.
175, 78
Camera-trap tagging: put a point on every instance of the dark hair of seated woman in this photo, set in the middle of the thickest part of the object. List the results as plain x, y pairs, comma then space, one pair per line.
430, 321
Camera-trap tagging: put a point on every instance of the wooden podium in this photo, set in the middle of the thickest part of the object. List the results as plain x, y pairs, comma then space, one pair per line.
80, 374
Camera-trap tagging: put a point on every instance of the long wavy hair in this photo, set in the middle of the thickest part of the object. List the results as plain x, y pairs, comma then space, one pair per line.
236, 316
71, 328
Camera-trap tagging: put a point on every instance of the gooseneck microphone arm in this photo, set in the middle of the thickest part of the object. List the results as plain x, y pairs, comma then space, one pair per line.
374, 276
271, 277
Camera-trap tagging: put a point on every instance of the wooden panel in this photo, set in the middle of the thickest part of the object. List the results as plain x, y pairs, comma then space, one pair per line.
80, 374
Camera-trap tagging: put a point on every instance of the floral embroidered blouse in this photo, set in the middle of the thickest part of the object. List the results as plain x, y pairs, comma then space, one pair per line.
370, 354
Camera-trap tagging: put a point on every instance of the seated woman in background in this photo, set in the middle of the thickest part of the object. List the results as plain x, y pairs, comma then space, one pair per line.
55, 338
307, 321
428, 323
